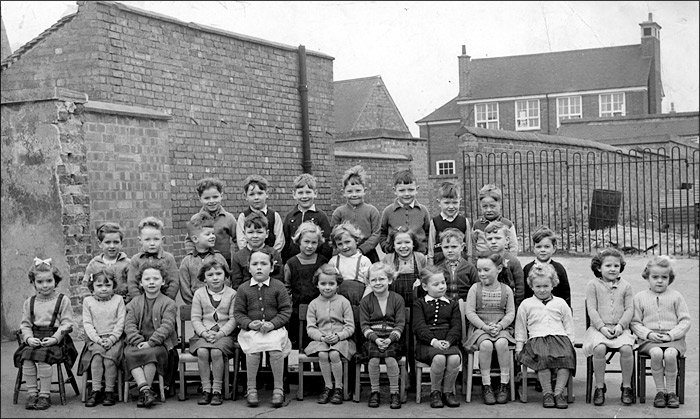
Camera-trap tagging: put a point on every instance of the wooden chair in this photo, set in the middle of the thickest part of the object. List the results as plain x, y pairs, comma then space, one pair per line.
129, 383
610, 352
360, 375
469, 368
304, 359
185, 357
643, 372
421, 367
87, 384
60, 366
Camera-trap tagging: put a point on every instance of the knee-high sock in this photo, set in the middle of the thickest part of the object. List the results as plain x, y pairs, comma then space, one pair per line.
325, 365
252, 363
392, 370
110, 374
545, 377
277, 366
437, 372
451, 372
97, 370
373, 370
44, 372
627, 365
337, 368
562, 379
29, 375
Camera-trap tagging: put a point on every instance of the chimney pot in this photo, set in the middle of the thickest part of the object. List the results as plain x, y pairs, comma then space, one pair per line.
651, 18
464, 50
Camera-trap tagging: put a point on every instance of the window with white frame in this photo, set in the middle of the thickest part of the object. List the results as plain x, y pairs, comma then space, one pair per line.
612, 104
486, 115
568, 108
527, 114
445, 167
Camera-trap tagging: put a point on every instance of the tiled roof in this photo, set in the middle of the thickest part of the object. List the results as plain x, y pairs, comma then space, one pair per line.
29, 45
350, 98
553, 72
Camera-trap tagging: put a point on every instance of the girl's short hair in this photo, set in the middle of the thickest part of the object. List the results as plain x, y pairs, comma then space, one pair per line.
597, 260
543, 271
210, 262
544, 233
495, 227
308, 227
106, 274
388, 270
496, 258
327, 269
266, 250
428, 272
355, 175
450, 233
662, 261
346, 227
108, 228
45, 265
492, 191
153, 264
392, 237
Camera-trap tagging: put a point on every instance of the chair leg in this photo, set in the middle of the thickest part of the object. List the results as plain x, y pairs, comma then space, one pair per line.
589, 378
404, 383
512, 376
61, 384
419, 382
356, 396
570, 389
85, 386
182, 395
523, 387
227, 377
120, 384
71, 378
346, 369
300, 387
161, 384
18, 384
236, 367
680, 380
641, 378
126, 390
470, 376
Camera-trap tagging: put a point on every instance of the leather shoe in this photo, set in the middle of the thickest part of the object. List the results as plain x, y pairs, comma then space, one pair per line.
672, 401
599, 396
436, 399
205, 398
337, 396
660, 399
110, 398
395, 401
325, 396
277, 400
450, 400
252, 398
374, 399
142, 397
560, 401
31, 401
487, 395
503, 394
42, 403
94, 399
149, 397
216, 399
548, 400
627, 396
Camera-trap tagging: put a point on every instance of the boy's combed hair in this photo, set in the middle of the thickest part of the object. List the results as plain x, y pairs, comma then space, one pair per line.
490, 190
346, 227
662, 261
327, 269
544, 233
106, 274
543, 271
404, 177
151, 222
266, 250
255, 180
108, 228
355, 175
210, 262
305, 179
209, 182
392, 236
428, 272
45, 265
256, 220
198, 222
597, 260
308, 227
450, 233
388, 270
495, 227
153, 264
448, 190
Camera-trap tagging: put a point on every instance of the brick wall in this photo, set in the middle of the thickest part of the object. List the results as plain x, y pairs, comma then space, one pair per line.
379, 112
233, 99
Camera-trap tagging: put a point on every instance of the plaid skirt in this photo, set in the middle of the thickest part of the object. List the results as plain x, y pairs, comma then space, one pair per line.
403, 285
371, 350
551, 351
65, 350
352, 290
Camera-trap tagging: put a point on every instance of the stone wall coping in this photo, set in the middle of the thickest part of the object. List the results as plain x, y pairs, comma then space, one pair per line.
205, 28
380, 137
43, 94
366, 155
125, 110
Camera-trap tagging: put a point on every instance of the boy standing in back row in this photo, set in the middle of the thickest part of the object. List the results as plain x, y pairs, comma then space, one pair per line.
255, 192
405, 213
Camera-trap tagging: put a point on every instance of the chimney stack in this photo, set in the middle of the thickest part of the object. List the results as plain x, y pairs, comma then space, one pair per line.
651, 48
464, 76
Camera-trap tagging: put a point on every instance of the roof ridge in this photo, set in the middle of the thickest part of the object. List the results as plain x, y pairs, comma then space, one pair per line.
357, 79
571, 51
7, 62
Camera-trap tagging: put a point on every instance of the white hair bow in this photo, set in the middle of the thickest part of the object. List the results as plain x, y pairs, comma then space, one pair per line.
38, 261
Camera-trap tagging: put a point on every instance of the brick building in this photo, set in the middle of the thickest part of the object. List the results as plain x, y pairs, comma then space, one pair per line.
154, 104
533, 93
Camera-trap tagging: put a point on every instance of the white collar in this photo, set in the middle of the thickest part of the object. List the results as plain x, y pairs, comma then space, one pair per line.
446, 218
443, 298
311, 208
254, 283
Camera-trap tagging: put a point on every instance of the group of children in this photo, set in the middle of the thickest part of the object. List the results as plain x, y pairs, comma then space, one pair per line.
252, 296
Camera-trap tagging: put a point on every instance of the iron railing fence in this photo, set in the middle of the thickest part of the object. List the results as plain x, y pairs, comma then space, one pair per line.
642, 202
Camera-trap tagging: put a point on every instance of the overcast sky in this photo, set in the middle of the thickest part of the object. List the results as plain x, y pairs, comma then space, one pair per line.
414, 46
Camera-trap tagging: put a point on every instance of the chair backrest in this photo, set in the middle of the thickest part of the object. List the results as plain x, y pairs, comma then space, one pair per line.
185, 316
463, 315
585, 310
303, 308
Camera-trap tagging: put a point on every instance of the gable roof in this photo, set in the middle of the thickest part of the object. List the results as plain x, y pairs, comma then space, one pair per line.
353, 96
559, 72
7, 61
446, 112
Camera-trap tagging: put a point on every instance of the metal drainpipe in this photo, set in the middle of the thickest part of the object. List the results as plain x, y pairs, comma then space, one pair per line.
304, 93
